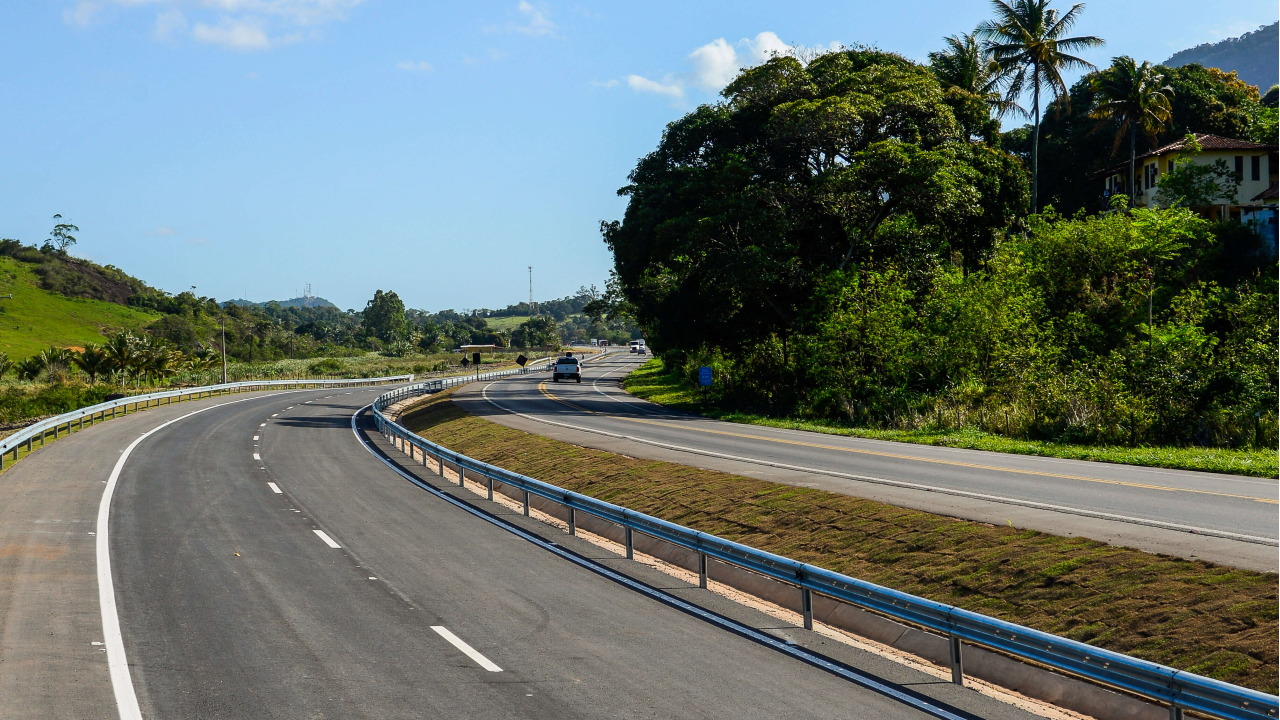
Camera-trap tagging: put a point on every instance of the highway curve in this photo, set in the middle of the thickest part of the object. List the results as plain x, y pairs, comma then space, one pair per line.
1225, 519
267, 564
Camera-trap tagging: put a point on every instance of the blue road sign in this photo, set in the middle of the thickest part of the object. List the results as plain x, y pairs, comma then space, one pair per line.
704, 376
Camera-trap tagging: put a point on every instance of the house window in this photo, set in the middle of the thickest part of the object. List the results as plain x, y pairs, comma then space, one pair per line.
1256, 170
1239, 168
1170, 166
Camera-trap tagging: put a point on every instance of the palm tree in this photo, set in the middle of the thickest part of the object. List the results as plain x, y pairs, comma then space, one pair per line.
1025, 39
122, 352
5, 364
967, 65
1133, 97
30, 368
54, 361
92, 361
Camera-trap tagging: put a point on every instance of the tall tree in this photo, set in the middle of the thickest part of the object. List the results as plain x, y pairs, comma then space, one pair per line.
967, 65
1026, 40
384, 317
1132, 97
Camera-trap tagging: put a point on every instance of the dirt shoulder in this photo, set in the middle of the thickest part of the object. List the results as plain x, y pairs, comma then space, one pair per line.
1215, 621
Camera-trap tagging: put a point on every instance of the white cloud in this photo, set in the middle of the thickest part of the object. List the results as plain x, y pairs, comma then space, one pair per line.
670, 88
535, 21
163, 231
717, 63
198, 241
232, 24
169, 23
82, 13
240, 34
538, 22
419, 66
714, 65
764, 46
613, 82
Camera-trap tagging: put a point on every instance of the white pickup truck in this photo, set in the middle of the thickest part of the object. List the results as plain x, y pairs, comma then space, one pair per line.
567, 368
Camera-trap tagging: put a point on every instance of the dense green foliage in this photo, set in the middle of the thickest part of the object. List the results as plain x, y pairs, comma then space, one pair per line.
1074, 148
836, 246
747, 206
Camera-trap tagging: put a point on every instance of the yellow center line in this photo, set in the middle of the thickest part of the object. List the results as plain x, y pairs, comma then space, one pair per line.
542, 387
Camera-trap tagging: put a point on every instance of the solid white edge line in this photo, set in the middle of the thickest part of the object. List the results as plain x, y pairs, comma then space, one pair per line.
1208, 532
275, 488
327, 540
112, 638
466, 649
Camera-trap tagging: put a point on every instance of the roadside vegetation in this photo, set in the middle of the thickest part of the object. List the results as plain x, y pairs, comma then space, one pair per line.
654, 383
1215, 621
849, 243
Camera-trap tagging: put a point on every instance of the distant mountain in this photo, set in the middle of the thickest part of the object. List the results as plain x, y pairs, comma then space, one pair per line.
1253, 56
307, 301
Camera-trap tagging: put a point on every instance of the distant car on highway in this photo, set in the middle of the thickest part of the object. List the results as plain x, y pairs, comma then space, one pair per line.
566, 367
637, 346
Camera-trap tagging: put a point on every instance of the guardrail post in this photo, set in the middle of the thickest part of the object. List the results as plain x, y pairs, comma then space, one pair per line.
630, 545
806, 604
702, 570
957, 661
490, 483
573, 516
526, 503
1175, 712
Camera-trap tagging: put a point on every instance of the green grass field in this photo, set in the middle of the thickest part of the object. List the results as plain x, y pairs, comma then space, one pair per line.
34, 318
506, 324
651, 383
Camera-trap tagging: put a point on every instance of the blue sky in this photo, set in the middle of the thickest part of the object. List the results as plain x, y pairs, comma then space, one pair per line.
436, 149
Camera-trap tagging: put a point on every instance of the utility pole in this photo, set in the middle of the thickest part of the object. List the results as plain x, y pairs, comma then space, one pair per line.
224, 347
531, 311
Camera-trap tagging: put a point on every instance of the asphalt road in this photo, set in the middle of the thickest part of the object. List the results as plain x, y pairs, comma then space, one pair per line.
1225, 519
267, 565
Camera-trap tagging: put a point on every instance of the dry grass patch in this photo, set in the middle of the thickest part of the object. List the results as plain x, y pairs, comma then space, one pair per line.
1216, 621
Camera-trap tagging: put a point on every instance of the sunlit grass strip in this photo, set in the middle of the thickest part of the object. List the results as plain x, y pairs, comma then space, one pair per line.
652, 384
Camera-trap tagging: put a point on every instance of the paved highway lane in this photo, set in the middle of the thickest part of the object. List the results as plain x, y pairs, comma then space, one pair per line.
1221, 518
267, 565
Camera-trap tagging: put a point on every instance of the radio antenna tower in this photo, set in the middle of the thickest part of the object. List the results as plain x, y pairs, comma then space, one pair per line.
532, 308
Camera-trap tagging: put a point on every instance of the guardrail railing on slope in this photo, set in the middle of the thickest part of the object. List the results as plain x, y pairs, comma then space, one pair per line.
102, 411
1176, 688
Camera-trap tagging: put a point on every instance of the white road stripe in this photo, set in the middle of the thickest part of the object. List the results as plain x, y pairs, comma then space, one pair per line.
466, 649
274, 414
255, 437
263, 425
255, 457
117, 661
275, 489
327, 540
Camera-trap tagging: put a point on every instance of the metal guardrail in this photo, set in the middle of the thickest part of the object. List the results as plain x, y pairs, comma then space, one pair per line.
39, 431
1176, 688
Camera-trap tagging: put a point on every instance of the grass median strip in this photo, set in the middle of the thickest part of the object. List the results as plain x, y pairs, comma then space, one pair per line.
651, 383
1216, 621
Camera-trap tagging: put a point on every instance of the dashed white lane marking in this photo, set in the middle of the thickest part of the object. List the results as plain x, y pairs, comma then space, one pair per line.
256, 457
275, 489
466, 649
255, 437
263, 425
117, 662
327, 540
274, 414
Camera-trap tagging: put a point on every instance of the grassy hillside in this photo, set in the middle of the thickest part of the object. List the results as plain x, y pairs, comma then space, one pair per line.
35, 318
